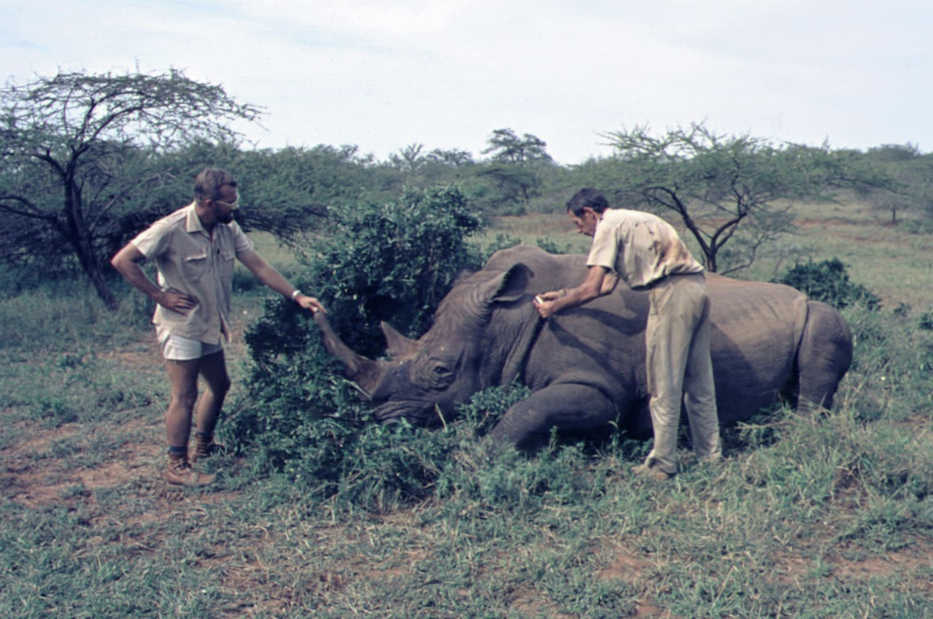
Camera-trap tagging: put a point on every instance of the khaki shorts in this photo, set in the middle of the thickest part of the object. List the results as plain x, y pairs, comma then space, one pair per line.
178, 348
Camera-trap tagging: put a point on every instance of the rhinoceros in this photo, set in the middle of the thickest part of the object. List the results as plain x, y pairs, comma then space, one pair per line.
585, 366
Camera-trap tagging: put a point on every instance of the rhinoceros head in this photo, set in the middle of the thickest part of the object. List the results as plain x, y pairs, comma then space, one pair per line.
423, 380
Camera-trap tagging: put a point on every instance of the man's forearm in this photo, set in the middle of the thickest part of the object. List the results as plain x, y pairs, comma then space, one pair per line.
552, 302
269, 276
133, 273
266, 273
576, 296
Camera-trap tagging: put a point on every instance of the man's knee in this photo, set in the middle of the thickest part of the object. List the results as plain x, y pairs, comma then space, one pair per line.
184, 398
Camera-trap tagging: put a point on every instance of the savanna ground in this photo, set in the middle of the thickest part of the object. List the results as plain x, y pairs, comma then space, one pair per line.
826, 516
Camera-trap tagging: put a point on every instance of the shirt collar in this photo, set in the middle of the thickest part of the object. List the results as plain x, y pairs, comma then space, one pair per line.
192, 221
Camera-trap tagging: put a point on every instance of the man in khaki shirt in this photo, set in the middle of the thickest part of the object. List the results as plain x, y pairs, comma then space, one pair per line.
648, 254
193, 249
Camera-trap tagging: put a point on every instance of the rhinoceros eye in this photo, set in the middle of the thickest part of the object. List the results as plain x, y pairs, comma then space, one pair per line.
441, 375
432, 373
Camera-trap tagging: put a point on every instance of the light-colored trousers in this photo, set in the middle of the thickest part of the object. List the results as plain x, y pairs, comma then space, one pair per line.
679, 368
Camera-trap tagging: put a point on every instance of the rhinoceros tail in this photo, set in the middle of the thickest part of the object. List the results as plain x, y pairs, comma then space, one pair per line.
823, 356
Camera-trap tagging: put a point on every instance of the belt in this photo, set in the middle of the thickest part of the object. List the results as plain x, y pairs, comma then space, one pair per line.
667, 278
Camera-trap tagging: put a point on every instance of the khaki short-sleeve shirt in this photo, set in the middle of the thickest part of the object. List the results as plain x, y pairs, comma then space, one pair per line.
192, 261
642, 248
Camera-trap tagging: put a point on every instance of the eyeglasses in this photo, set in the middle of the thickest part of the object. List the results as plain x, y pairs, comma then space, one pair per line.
233, 205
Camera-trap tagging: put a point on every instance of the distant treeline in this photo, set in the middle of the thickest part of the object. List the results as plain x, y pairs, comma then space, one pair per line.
87, 161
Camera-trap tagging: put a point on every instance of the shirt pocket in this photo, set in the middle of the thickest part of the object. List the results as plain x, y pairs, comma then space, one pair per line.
195, 266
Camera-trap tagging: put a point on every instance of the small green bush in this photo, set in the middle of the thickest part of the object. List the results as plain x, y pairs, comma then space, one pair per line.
392, 262
314, 428
926, 321
502, 241
553, 247
829, 282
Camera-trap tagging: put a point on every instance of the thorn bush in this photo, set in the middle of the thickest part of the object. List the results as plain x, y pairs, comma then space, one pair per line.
392, 262
828, 281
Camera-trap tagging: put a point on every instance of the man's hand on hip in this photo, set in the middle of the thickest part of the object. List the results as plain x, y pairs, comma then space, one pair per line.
176, 301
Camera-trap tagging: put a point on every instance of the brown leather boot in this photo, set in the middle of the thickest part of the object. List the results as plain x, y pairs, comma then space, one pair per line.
179, 472
651, 472
205, 447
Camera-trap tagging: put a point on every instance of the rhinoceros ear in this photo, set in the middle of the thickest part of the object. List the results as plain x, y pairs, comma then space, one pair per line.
399, 346
509, 286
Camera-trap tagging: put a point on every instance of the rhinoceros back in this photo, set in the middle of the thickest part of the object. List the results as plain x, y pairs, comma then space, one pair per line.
756, 330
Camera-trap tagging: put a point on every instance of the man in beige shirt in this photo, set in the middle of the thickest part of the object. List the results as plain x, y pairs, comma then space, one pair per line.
648, 254
193, 249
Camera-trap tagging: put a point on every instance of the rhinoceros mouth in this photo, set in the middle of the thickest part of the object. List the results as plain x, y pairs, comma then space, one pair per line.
416, 413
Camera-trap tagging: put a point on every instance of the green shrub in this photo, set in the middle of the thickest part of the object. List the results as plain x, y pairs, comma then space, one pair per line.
502, 241
926, 321
392, 262
553, 247
383, 466
485, 408
829, 282
314, 429
294, 399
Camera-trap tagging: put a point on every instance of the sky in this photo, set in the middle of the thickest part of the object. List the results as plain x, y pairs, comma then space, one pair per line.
383, 75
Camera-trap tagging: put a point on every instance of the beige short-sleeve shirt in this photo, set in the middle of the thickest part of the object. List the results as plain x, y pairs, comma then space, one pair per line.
642, 248
192, 261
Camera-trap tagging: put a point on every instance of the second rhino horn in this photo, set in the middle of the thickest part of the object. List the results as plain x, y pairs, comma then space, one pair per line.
399, 346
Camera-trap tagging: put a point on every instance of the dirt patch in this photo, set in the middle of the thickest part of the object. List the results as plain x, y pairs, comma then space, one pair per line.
33, 479
627, 565
25, 490
911, 560
37, 486
631, 566
529, 602
795, 568
41, 440
790, 569
649, 610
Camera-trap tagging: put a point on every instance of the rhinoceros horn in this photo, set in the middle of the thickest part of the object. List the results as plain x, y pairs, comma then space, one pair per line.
399, 347
366, 373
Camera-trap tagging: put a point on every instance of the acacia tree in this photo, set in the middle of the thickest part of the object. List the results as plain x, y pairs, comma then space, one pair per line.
514, 164
506, 146
720, 184
912, 172
409, 159
453, 157
77, 148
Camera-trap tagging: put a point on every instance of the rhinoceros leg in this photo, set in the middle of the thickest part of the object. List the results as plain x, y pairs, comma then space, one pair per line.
566, 406
823, 356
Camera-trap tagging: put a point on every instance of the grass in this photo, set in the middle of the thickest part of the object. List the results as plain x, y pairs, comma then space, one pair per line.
815, 517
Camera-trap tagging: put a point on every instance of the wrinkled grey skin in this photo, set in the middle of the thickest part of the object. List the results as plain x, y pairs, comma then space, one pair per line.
586, 365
